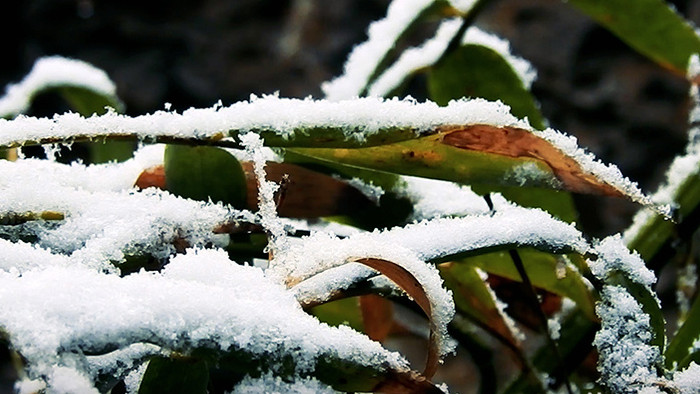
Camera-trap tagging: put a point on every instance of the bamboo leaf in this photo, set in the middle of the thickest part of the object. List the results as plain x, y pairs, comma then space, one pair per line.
649, 26
408, 283
546, 271
505, 156
681, 346
203, 173
478, 71
475, 299
175, 375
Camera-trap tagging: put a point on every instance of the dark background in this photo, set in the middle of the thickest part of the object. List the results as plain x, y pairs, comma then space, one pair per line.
621, 106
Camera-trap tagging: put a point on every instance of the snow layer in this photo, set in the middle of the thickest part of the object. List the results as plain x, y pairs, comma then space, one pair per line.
522, 67
201, 299
433, 198
614, 255
105, 219
51, 72
414, 59
381, 38
284, 116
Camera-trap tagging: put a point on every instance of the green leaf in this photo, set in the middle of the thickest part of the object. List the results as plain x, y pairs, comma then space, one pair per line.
345, 311
478, 71
475, 299
175, 375
88, 102
204, 172
576, 335
546, 271
651, 27
681, 345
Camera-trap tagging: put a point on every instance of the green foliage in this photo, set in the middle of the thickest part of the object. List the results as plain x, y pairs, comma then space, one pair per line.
517, 162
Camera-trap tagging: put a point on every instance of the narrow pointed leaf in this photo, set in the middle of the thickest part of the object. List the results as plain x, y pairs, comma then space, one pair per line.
648, 26
476, 300
478, 71
175, 375
377, 316
546, 271
682, 343
203, 173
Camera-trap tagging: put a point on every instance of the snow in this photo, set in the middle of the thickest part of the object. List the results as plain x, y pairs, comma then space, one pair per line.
614, 255
49, 72
105, 218
200, 300
688, 380
356, 118
627, 361
365, 58
522, 67
414, 59
433, 198
267, 206
269, 384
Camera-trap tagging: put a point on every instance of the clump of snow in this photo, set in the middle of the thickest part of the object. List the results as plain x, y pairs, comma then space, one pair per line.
627, 361
381, 38
414, 59
688, 380
270, 384
530, 172
104, 218
267, 206
49, 72
433, 198
614, 255
200, 300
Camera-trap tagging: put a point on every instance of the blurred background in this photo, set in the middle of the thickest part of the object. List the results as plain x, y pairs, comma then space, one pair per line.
621, 106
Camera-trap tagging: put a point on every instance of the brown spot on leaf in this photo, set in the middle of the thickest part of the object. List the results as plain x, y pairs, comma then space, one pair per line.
516, 142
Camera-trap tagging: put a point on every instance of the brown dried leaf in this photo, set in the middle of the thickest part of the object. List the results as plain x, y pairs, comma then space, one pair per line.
515, 142
407, 382
377, 316
408, 283
152, 177
307, 193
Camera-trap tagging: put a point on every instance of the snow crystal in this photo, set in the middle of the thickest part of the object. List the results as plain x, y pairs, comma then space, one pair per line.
267, 206
51, 72
133, 379
414, 59
522, 67
364, 58
614, 255
627, 361
200, 299
269, 384
64, 380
